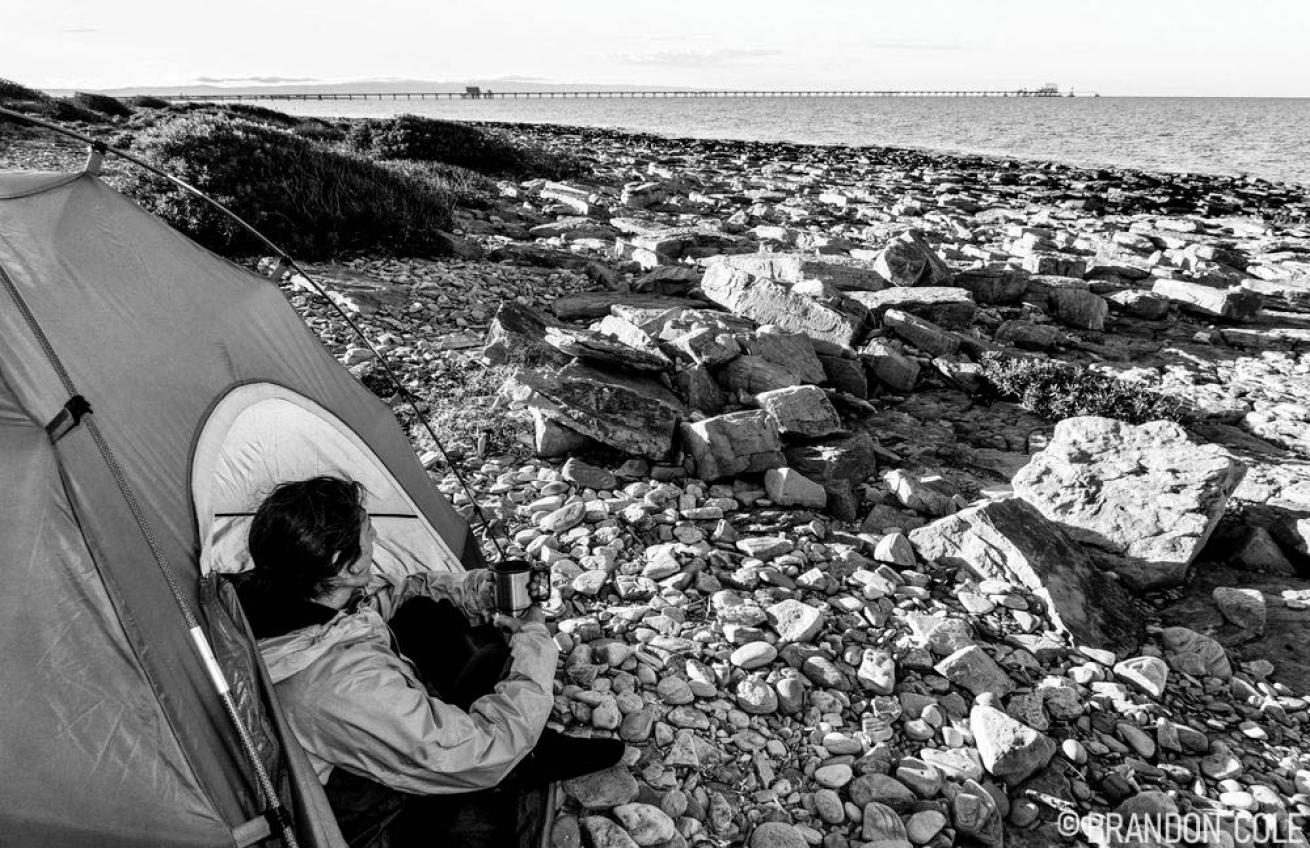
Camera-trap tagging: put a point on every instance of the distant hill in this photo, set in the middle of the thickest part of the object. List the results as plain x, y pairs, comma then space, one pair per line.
385, 86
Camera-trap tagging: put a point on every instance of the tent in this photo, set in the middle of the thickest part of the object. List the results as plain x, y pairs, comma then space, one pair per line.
150, 394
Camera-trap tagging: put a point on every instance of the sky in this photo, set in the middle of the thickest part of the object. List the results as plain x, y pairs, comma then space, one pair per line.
1111, 47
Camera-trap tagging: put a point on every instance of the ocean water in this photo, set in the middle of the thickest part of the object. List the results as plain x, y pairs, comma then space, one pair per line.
1260, 137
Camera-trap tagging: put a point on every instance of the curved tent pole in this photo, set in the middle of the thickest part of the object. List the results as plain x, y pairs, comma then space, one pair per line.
285, 263
276, 813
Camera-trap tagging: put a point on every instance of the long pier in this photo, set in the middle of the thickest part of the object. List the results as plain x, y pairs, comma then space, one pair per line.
639, 93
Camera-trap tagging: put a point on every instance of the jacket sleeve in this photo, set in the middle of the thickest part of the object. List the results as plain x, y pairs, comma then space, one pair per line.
466, 591
377, 721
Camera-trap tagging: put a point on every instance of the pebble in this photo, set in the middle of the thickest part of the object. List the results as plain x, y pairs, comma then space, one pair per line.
777, 835
646, 824
833, 777
924, 825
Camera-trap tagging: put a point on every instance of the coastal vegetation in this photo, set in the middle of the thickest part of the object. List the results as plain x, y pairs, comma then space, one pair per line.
103, 104
318, 188
313, 201
413, 138
1057, 390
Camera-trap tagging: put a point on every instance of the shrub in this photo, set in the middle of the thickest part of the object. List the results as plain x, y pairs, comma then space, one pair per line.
10, 90
1055, 390
104, 104
261, 115
319, 131
312, 202
67, 109
145, 101
428, 140
466, 188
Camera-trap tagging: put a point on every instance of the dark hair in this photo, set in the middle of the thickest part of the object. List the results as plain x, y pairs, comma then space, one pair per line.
304, 533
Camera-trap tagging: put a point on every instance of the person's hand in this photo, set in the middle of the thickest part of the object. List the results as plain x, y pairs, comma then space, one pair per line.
514, 623
484, 591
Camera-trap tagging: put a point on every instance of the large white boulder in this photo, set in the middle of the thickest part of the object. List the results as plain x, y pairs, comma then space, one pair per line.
1145, 495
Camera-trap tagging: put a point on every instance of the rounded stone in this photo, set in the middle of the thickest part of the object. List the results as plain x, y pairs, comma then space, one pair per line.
646, 824
833, 777
753, 655
674, 691
777, 835
924, 825
755, 696
829, 806
603, 790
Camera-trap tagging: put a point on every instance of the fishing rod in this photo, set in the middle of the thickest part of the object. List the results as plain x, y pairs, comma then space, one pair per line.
285, 264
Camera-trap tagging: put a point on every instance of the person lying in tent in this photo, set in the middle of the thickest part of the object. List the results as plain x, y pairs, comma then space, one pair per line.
403, 706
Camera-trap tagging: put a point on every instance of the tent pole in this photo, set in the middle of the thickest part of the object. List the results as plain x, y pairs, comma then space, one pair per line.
286, 260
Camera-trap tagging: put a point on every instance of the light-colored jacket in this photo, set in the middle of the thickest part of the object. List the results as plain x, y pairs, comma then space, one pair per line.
354, 703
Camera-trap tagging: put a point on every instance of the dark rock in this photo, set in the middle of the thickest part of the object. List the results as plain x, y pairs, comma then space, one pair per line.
1287, 628
754, 374
699, 388
1079, 308
845, 375
605, 350
838, 465
584, 306
518, 333
1029, 336
924, 335
889, 366
908, 260
793, 351
994, 287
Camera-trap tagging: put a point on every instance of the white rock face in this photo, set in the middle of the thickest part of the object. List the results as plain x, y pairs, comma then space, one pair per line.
1146, 495
788, 487
1010, 749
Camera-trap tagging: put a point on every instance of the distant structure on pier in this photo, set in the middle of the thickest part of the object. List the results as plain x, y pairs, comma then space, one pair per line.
474, 92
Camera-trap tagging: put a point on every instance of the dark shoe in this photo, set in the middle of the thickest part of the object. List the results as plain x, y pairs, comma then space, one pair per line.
560, 757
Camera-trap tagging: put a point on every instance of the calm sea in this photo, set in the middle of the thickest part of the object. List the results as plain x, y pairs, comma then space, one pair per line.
1261, 137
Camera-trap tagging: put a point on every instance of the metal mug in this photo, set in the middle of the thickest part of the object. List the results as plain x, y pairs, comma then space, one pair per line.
518, 585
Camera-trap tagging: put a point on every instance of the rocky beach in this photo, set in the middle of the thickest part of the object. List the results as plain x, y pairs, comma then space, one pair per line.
834, 580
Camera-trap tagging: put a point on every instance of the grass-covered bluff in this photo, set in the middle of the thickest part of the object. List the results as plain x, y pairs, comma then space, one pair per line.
317, 188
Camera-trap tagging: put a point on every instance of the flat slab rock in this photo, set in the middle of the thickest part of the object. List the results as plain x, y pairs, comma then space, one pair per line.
841, 272
517, 331
1147, 496
946, 306
588, 305
631, 414
607, 350
767, 302
1010, 540
1235, 303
